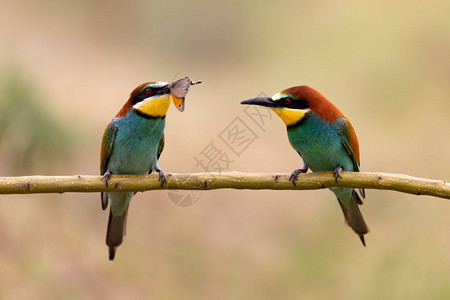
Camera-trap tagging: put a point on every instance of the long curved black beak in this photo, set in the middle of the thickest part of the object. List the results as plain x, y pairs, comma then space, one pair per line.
261, 101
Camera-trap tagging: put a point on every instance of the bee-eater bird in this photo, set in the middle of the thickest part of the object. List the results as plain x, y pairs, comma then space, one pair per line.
132, 144
325, 139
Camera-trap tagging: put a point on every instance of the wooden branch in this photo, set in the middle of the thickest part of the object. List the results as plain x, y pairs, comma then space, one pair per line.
231, 180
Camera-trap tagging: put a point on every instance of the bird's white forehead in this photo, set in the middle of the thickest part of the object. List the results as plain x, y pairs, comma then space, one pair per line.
160, 84
277, 96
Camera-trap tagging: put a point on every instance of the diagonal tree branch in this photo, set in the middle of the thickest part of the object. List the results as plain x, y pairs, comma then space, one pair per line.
231, 180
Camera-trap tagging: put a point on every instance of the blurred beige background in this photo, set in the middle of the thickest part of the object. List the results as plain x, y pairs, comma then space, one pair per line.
66, 67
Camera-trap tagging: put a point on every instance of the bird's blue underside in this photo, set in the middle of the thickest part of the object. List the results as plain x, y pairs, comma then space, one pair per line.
321, 147
134, 151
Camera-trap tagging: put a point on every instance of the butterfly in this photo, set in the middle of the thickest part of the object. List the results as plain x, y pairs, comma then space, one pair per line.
179, 88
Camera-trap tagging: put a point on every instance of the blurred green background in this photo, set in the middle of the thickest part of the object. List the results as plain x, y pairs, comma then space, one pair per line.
66, 68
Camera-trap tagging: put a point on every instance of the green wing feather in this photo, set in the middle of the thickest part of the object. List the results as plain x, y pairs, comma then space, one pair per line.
107, 146
160, 150
348, 139
105, 153
350, 142
160, 147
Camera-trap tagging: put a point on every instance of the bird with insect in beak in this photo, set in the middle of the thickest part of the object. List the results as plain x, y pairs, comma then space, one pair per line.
325, 139
132, 144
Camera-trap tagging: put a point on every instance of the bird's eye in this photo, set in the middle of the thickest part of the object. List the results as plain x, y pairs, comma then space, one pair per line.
287, 101
148, 91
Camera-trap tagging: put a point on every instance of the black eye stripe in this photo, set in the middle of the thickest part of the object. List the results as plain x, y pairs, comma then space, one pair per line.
159, 90
154, 90
290, 102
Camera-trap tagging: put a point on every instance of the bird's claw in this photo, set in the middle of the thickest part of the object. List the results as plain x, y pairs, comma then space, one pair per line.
294, 175
337, 173
106, 177
162, 176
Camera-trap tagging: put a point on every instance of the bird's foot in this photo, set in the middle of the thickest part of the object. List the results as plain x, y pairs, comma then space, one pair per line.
337, 173
294, 175
162, 176
106, 177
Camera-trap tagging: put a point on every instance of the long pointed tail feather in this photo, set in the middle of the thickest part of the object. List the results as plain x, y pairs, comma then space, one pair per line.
353, 216
117, 227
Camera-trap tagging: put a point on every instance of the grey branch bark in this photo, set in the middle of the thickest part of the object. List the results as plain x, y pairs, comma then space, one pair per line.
228, 180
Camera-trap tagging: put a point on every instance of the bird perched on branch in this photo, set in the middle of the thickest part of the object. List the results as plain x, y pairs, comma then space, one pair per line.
132, 144
325, 139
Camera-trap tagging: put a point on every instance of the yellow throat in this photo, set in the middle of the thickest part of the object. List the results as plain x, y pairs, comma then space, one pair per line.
290, 116
156, 107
